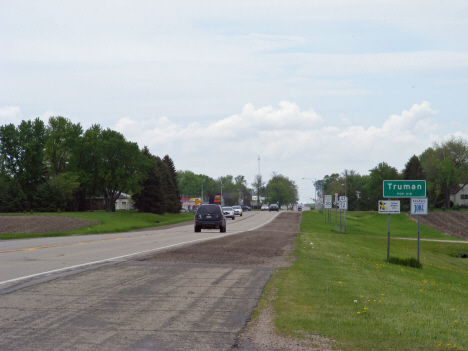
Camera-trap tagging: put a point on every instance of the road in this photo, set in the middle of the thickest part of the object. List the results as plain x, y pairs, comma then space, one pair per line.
25, 259
91, 293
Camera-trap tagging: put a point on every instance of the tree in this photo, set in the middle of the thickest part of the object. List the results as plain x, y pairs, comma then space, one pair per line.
22, 150
86, 162
257, 185
446, 165
414, 169
282, 190
67, 183
49, 198
173, 204
15, 199
62, 136
375, 184
150, 198
120, 166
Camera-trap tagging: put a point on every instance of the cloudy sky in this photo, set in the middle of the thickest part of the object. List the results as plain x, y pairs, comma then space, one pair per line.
311, 87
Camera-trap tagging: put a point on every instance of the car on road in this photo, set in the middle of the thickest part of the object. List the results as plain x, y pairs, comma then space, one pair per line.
210, 217
229, 212
237, 210
299, 207
246, 208
273, 207
264, 207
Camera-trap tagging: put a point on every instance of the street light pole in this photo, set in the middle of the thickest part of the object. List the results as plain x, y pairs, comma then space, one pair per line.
202, 190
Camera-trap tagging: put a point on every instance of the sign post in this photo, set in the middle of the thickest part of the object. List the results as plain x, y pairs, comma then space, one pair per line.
419, 207
336, 209
389, 207
328, 205
344, 207
402, 189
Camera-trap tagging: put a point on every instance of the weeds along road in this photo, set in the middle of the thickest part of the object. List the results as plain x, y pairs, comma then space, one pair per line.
194, 297
29, 259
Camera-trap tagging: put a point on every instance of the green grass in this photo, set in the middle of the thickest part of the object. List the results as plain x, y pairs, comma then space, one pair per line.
341, 287
110, 222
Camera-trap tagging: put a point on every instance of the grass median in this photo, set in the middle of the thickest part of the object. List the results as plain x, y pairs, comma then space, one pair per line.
341, 287
110, 222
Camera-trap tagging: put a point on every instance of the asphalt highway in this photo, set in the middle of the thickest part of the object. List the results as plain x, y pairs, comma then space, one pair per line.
93, 293
22, 260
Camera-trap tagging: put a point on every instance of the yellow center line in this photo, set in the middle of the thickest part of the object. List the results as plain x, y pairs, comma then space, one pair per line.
83, 242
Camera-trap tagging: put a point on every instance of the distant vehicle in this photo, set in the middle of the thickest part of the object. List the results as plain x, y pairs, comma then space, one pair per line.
183, 210
229, 212
264, 207
299, 207
237, 210
246, 208
273, 207
210, 217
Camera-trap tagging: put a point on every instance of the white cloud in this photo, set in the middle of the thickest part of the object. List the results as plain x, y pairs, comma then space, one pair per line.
289, 140
10, 114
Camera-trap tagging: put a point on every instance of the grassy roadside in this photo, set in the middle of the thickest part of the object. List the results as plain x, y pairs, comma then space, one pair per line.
341, 287
110, 222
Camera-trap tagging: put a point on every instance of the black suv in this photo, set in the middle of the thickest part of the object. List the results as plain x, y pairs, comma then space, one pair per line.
274, 207
210, 217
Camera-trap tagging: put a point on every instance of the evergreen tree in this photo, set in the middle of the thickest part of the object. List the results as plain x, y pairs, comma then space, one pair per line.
173, 194
3, 191
15, 198
49, 198
165, 181
413, 169
151, 197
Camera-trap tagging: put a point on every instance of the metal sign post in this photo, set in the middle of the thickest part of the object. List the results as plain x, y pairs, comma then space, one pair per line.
328, 206
344, 207
389, 207
419, 207
336, 209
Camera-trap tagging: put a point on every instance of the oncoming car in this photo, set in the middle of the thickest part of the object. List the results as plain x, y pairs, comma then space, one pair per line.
264, 207
274, 207
210, 217
237, 210
229, 212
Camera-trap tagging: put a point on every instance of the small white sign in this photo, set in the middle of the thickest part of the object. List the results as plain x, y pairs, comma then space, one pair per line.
419, 205
343, 203
389, 207
328, 201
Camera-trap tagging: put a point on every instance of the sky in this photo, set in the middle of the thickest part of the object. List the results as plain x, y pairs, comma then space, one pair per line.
310, 88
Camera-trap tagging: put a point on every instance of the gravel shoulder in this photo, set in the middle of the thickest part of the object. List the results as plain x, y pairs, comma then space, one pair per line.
268, 246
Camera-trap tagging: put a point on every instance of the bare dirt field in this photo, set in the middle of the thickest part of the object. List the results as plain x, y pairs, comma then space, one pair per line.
453, 223
40, 224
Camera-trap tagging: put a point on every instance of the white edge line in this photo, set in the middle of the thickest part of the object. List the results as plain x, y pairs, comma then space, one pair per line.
133, 254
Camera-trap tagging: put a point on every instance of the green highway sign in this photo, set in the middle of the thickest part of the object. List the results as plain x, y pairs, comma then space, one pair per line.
404, 188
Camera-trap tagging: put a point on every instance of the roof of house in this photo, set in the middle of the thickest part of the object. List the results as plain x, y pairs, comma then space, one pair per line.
457, 188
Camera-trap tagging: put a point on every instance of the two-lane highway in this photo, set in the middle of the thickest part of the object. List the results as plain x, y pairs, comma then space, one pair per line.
23, 260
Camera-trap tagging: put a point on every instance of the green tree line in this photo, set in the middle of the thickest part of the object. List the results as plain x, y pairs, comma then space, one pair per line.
59, 167
444, 166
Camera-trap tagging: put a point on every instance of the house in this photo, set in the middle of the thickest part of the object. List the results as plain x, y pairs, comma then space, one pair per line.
124, 202
459, 195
